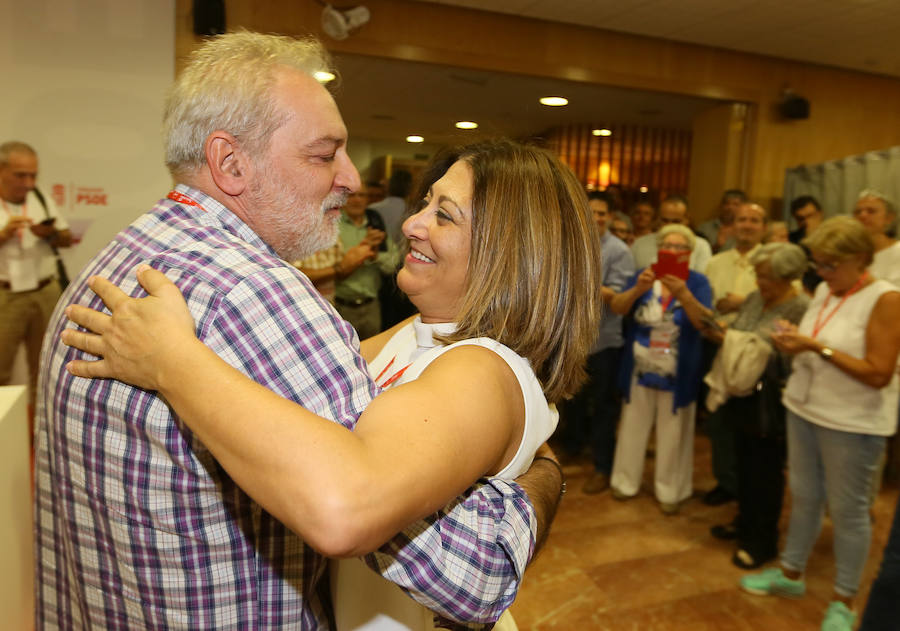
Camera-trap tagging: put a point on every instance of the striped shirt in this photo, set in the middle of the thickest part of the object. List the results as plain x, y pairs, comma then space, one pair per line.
137, 525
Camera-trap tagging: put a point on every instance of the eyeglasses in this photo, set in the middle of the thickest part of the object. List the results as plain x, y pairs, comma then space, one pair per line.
825, 267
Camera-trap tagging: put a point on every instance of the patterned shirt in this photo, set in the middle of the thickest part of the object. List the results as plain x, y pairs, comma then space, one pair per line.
323, 259
137, 525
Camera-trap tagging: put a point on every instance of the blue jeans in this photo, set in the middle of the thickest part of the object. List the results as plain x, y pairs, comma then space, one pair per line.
837, 467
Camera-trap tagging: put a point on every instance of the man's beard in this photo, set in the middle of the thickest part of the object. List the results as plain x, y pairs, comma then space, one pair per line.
294, 227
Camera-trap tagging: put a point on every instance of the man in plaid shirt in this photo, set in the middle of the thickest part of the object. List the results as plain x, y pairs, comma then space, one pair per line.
137, 526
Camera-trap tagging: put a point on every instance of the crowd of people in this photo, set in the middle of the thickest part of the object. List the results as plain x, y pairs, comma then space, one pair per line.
788, 343
783, 343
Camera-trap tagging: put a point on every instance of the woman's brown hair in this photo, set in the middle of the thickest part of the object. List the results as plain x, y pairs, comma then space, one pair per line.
533, 282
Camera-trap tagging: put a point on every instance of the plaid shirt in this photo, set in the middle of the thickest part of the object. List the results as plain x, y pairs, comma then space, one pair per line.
137, 525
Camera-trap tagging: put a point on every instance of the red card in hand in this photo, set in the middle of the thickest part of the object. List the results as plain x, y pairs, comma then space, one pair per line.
671, 262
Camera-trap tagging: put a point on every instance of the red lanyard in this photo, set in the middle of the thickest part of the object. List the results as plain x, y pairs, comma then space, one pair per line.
393, 377
817, 328
665, 305
181, 198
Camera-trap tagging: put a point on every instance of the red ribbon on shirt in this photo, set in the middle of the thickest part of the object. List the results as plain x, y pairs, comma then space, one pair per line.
181, 198
393, 377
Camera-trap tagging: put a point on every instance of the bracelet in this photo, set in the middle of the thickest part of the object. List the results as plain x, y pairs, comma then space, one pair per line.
562, 476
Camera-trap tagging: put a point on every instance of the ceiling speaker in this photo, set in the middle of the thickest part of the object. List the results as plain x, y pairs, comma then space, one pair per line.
794, 107
209, 17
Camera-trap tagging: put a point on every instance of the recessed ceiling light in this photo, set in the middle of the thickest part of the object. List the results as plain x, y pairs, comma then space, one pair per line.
323, 77
414, 139
601, 132
554, 101
467, 125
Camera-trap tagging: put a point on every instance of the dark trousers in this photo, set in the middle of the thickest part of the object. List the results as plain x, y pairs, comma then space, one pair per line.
722, 437
760, 467
720, 430
591, 416
883, 609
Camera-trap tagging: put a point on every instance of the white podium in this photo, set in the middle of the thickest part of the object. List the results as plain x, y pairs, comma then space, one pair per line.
16, 541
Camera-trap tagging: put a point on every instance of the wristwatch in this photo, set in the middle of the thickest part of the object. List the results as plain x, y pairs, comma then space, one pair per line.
826, 353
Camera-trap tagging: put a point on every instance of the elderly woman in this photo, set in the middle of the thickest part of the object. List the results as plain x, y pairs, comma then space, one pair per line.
759, 416
660, 375
842, 399
467, 383
879, 217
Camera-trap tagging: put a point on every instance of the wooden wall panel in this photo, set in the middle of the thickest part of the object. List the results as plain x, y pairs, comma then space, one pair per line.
632, 157
851, 112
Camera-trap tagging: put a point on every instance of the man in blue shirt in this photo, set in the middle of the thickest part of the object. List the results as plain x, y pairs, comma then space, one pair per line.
592, 415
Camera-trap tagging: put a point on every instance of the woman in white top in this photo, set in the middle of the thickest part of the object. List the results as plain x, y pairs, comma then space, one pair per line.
842, 401
503, 256
879, 217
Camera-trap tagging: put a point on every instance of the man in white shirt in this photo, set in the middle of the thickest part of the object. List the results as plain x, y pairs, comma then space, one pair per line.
30, 227
730, 273
673, 209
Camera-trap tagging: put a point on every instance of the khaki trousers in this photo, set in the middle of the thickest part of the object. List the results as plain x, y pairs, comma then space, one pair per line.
24, 317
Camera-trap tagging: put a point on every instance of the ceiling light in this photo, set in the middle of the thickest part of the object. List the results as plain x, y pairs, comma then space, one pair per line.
323, 76
554, 101
467, 125
338, 23
414, 139
601, 132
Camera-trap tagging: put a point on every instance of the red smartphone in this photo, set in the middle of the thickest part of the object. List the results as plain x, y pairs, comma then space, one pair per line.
671, 262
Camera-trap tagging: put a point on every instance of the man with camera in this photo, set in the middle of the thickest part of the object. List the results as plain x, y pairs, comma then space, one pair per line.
31, 230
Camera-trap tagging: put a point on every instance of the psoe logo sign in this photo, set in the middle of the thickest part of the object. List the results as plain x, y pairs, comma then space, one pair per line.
59, 194
90, 196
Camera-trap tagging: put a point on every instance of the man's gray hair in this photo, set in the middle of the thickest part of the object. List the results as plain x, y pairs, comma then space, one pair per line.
876, 194
786, 260
14, 146
227, 85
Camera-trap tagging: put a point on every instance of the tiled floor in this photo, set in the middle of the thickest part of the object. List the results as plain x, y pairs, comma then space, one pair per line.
623, 566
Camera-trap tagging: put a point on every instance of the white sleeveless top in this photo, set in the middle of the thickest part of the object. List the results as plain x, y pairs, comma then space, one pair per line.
823, 394
364, 600
886, 265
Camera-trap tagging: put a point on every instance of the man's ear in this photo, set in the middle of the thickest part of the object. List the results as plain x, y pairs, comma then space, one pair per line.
228, 164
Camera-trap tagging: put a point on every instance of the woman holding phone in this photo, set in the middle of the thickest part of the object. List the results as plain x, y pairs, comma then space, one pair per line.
660, 372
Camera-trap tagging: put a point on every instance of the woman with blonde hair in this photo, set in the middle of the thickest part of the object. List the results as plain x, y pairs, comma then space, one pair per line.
842, 399
502, 249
